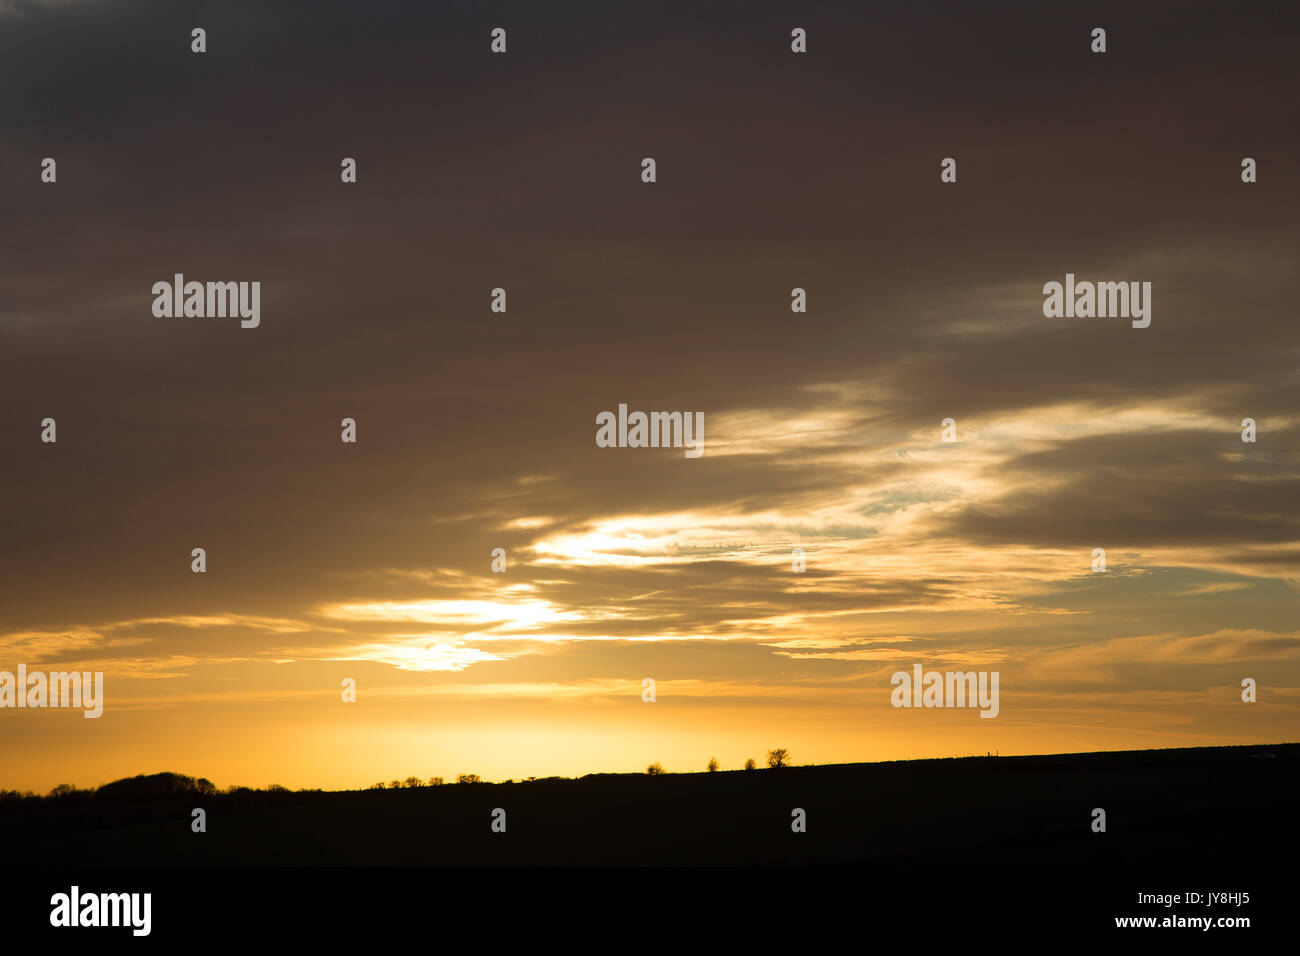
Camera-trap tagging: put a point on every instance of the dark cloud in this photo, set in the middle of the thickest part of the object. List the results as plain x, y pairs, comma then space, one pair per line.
1144, 490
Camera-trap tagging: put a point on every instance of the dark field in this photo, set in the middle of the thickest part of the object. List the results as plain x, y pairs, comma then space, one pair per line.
1205, 807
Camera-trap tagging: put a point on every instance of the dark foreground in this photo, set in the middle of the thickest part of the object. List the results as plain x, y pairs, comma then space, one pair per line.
1206, 808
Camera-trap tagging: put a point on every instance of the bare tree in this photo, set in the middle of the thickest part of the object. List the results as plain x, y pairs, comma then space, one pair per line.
435, 781
749, 764
469, 778
778, 758
413, 782
655, 769
713, 765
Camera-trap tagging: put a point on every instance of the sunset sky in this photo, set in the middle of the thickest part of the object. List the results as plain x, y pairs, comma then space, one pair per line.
476, 430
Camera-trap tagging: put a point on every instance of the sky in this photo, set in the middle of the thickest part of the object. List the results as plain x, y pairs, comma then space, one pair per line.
476, 430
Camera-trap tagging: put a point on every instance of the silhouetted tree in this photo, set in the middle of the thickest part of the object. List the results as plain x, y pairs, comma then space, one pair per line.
413, 782
778, 758
713, 765
749, 764
469, 778
435, 781
655, 769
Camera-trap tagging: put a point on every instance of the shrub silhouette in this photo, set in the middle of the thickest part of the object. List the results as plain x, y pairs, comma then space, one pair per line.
713, 765
655, 769
778, 758
413, 782
435, 781
469, 778
749, 764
